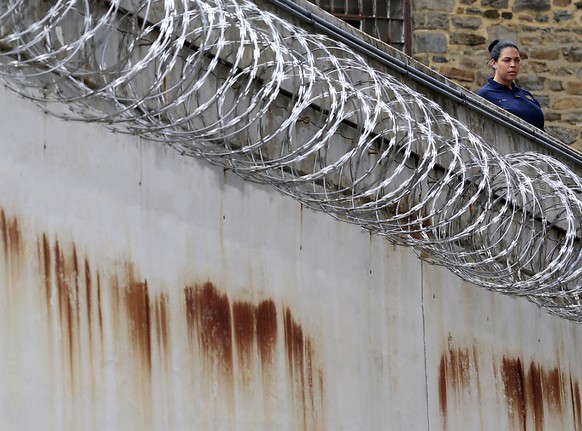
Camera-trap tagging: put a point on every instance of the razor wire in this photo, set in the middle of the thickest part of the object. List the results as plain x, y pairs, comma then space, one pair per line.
241, 87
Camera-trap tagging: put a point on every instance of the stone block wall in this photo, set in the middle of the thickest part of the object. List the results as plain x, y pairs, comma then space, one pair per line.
451, 36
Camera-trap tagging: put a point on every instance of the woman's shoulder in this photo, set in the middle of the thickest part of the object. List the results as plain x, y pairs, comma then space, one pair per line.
484, 89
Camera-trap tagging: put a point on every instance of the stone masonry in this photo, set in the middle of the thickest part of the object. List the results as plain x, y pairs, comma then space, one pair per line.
451, 36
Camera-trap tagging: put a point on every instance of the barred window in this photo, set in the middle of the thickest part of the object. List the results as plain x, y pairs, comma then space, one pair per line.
387, 20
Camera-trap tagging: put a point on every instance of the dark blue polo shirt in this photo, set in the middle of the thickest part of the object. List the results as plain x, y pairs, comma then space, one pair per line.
516, 100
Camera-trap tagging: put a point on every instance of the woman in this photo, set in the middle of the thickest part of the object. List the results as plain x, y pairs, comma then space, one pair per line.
501, 89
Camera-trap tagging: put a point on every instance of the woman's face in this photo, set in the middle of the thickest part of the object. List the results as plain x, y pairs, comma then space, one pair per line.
507, 66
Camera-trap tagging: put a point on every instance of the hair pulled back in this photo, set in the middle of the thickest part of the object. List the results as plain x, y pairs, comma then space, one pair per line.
496, 46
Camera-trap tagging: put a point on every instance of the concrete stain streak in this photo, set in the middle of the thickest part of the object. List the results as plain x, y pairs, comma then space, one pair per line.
162, 322
110, 335
212, 322
457, 368
137, 304
88, 299
536, 391
244, 323
266, 327
11, 238
250, 332
534, 395
67, 308
514, 387
45, 253
576, 404
307, 386
12, 248
442, 385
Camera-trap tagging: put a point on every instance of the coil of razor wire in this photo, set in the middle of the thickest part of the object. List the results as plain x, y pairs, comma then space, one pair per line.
245, 89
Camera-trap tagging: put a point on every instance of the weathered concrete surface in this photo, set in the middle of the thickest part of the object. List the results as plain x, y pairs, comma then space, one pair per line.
144, 290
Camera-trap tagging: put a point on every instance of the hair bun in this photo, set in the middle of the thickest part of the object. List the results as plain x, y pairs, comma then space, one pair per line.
492, 45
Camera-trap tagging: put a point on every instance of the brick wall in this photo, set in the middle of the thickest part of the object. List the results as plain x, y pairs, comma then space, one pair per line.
451, 36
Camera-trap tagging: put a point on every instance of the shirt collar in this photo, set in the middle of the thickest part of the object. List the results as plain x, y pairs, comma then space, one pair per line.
497, 86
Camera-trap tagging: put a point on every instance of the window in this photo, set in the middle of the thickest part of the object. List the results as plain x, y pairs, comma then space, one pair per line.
387, 20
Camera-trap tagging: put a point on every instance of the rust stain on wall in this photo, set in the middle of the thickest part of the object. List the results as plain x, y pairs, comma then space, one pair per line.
210, 320
534, 395
44, 252
99, 308
98, 317
553, 386
89, 300
11, 239
535, 391
457, 368
12, 248
295, 344
255, 330
576, 403
161, 313
514, 378
244, 322
266, 324
138, 307
252, 328
68, 306
307, 389
443, 402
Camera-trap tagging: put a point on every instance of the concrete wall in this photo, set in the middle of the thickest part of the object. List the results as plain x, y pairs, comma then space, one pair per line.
144, 290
